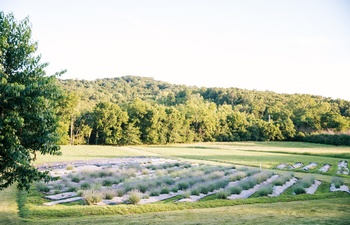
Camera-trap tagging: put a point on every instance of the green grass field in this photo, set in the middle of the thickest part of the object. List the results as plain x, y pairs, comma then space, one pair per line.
319, 209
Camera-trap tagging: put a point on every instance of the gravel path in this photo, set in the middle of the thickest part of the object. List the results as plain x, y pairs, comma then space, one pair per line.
310, 166
248, 193
63, 201
313, 188
343, 167
278, 190
325, 168
341, 188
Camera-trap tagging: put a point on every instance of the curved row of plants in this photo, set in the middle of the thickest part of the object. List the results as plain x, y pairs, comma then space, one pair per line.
179, 179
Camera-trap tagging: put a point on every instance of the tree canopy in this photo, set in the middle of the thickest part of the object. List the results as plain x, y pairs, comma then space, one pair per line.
156, 112
28, 105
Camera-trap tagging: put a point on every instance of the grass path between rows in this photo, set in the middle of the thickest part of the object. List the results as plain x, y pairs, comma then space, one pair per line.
325, 211
8, 206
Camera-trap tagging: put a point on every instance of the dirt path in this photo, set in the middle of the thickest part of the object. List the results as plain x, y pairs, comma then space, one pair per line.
8, 207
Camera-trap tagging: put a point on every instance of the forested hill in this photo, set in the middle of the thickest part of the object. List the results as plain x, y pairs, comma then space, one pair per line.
208, 114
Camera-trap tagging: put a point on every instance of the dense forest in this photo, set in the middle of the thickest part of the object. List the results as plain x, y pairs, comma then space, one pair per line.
133, 110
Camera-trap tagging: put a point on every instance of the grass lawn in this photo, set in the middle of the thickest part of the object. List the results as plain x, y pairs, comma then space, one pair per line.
8, 207
329, 211
89, 152
269, 154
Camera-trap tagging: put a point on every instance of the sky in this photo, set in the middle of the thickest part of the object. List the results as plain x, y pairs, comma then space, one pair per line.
285, 46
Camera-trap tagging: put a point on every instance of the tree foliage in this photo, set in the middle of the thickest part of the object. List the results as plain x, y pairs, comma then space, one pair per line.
159, 112
28, 101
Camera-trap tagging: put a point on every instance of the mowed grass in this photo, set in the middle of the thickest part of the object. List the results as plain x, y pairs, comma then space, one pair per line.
254, 153
90, 152
8, 207
329, 211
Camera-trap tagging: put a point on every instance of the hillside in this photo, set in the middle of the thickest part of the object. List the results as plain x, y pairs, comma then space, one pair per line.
229, 113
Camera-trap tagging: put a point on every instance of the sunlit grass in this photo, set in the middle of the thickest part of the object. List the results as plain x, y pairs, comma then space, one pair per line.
323, 211
8, 206
240, 157
90, 152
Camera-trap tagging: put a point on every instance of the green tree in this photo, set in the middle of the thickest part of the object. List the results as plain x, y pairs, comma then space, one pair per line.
83, 128
238, 124
109, 119
175, 125
28, 98
68, 110
223, 131
202, 118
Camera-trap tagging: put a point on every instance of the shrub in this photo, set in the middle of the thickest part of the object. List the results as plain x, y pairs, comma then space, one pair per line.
104, 174
76, 179
238, 176
155, 193
85, 186
169, 181
96, 186
144, 172
93, 175
307, 181
42, 187
187, 165
337, 181
174, 189
164, 191
298, 189
195, 192
71, 189
330, 139
219, 184
212, 187
142, 188
134, 197
222, 195
281, 180
251, 172
186, 194
244, 169
58, 187
216, 174
183, 185
161, 172
235, 190
249, 183
109, 194
92, 196
265, 190
261, 177
145, 196
151, 167
69, 167
107, 182
120, 192
203, 190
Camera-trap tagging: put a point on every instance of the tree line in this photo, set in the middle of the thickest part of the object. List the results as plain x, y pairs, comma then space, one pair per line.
140, 110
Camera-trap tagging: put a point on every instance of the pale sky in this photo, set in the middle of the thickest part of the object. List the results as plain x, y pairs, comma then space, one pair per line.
285, 46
